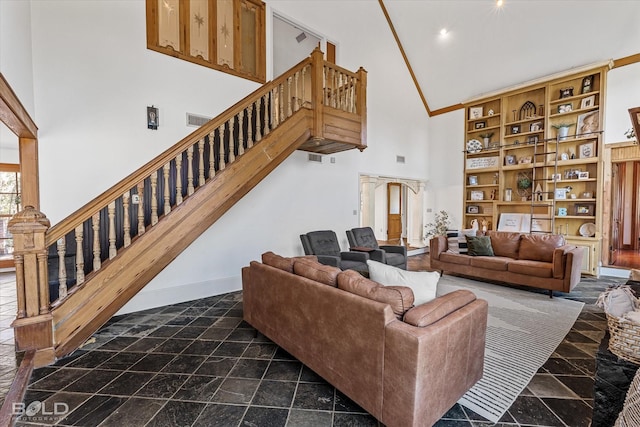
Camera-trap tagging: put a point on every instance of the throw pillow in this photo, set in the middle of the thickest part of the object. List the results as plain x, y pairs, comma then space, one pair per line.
479, 246
452, 242
462, 239
423, 283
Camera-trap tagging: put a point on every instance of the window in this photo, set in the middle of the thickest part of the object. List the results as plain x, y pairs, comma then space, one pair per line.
9, 206
227, 35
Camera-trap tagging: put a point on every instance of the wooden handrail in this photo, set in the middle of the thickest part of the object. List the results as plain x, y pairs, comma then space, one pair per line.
13, 113
70, 222
17, 390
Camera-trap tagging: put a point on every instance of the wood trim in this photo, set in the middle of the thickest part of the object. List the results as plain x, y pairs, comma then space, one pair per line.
29, 173
13, 114
70, 222
9, 167
627, 60
18, 389
448, 109
404, 56
102, 295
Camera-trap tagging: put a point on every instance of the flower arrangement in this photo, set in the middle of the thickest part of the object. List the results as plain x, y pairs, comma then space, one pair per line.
439, 226
562, 125
486, 135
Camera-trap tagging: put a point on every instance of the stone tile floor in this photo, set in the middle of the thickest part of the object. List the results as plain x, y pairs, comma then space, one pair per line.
198, 364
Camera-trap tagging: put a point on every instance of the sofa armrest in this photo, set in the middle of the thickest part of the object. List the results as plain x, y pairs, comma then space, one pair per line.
426, 370
436, 309
438, 245
395, 249
329, 260
560, 260
355, 256
573, 267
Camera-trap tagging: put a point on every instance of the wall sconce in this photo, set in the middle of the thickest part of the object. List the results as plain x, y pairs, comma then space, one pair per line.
152, 118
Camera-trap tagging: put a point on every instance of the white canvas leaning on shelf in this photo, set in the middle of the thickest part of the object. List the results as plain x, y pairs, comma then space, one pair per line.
516, 222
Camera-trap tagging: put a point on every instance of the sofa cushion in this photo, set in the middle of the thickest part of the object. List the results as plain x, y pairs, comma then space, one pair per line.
283, 263
429, 313
455, 258
539, 247
462, 239
490, 262
505, 243
400, 298
531, 268
422, 283
479, 246
452, 242
315, 271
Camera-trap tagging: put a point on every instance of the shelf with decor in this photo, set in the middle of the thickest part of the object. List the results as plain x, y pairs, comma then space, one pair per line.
550, 132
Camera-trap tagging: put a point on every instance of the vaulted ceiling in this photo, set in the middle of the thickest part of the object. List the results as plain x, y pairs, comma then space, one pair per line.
488, 48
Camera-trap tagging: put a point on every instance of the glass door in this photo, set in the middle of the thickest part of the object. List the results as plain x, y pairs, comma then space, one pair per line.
9, 205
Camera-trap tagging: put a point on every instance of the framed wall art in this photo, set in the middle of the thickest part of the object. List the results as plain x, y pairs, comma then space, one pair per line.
152, 118
587, 150
475, 112
634, 113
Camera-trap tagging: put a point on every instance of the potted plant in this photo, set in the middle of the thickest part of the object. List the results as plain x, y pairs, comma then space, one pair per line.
563, 130
439, 226
486, 137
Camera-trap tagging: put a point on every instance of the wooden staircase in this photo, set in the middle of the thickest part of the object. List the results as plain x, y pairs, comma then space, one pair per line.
76, 275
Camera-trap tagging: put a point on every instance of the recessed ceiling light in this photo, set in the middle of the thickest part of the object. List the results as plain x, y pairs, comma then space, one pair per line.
499, 3
444, 32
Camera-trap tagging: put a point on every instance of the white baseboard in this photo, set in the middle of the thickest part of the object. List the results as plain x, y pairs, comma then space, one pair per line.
152, 298
614, 272
418, 251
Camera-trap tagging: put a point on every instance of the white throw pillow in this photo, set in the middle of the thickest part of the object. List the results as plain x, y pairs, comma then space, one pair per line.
423, 283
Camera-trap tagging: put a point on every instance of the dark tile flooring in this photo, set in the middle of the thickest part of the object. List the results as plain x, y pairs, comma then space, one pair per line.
199, 364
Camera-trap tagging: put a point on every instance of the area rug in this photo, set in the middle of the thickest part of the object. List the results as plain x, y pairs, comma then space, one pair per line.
523, 330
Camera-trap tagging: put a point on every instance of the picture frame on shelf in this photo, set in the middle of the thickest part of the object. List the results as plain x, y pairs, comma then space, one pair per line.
477, 195
560, 194
524, 160
475, 112
480, 125
587, 150
566, 92
584, 209
515, 129
473, 209
532, 139
473, 180
556, 177
588, 123
509, 159
565, 108
535, 127
583, 175
588, 102
587, 84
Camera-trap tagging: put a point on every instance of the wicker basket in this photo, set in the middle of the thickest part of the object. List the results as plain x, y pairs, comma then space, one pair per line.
625, 338
630, 415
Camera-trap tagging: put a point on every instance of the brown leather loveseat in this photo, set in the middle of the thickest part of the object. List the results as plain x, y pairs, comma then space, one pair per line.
537, 260
405, 365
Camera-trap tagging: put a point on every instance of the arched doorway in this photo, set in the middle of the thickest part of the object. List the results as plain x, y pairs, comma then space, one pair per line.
394, 209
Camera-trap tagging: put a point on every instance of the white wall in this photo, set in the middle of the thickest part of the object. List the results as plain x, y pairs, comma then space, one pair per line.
623, 92
15, 65
91, 87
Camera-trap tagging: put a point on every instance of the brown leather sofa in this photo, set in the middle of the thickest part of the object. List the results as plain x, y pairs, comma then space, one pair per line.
405, 365
537, 260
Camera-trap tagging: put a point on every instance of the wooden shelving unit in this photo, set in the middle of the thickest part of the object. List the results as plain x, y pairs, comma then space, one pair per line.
526, 144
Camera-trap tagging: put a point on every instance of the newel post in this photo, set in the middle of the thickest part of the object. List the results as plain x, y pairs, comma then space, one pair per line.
317, 92
361, 105
33, 326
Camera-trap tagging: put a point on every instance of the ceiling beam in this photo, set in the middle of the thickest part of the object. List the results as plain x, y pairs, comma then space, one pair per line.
627, 60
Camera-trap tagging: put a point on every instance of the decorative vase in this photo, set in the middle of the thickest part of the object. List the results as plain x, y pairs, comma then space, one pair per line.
486, 142
563, 132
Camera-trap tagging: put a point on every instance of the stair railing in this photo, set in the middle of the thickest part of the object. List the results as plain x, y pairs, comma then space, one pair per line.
52, 262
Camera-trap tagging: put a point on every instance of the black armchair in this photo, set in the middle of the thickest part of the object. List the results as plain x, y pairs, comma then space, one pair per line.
364, 237
324, 244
